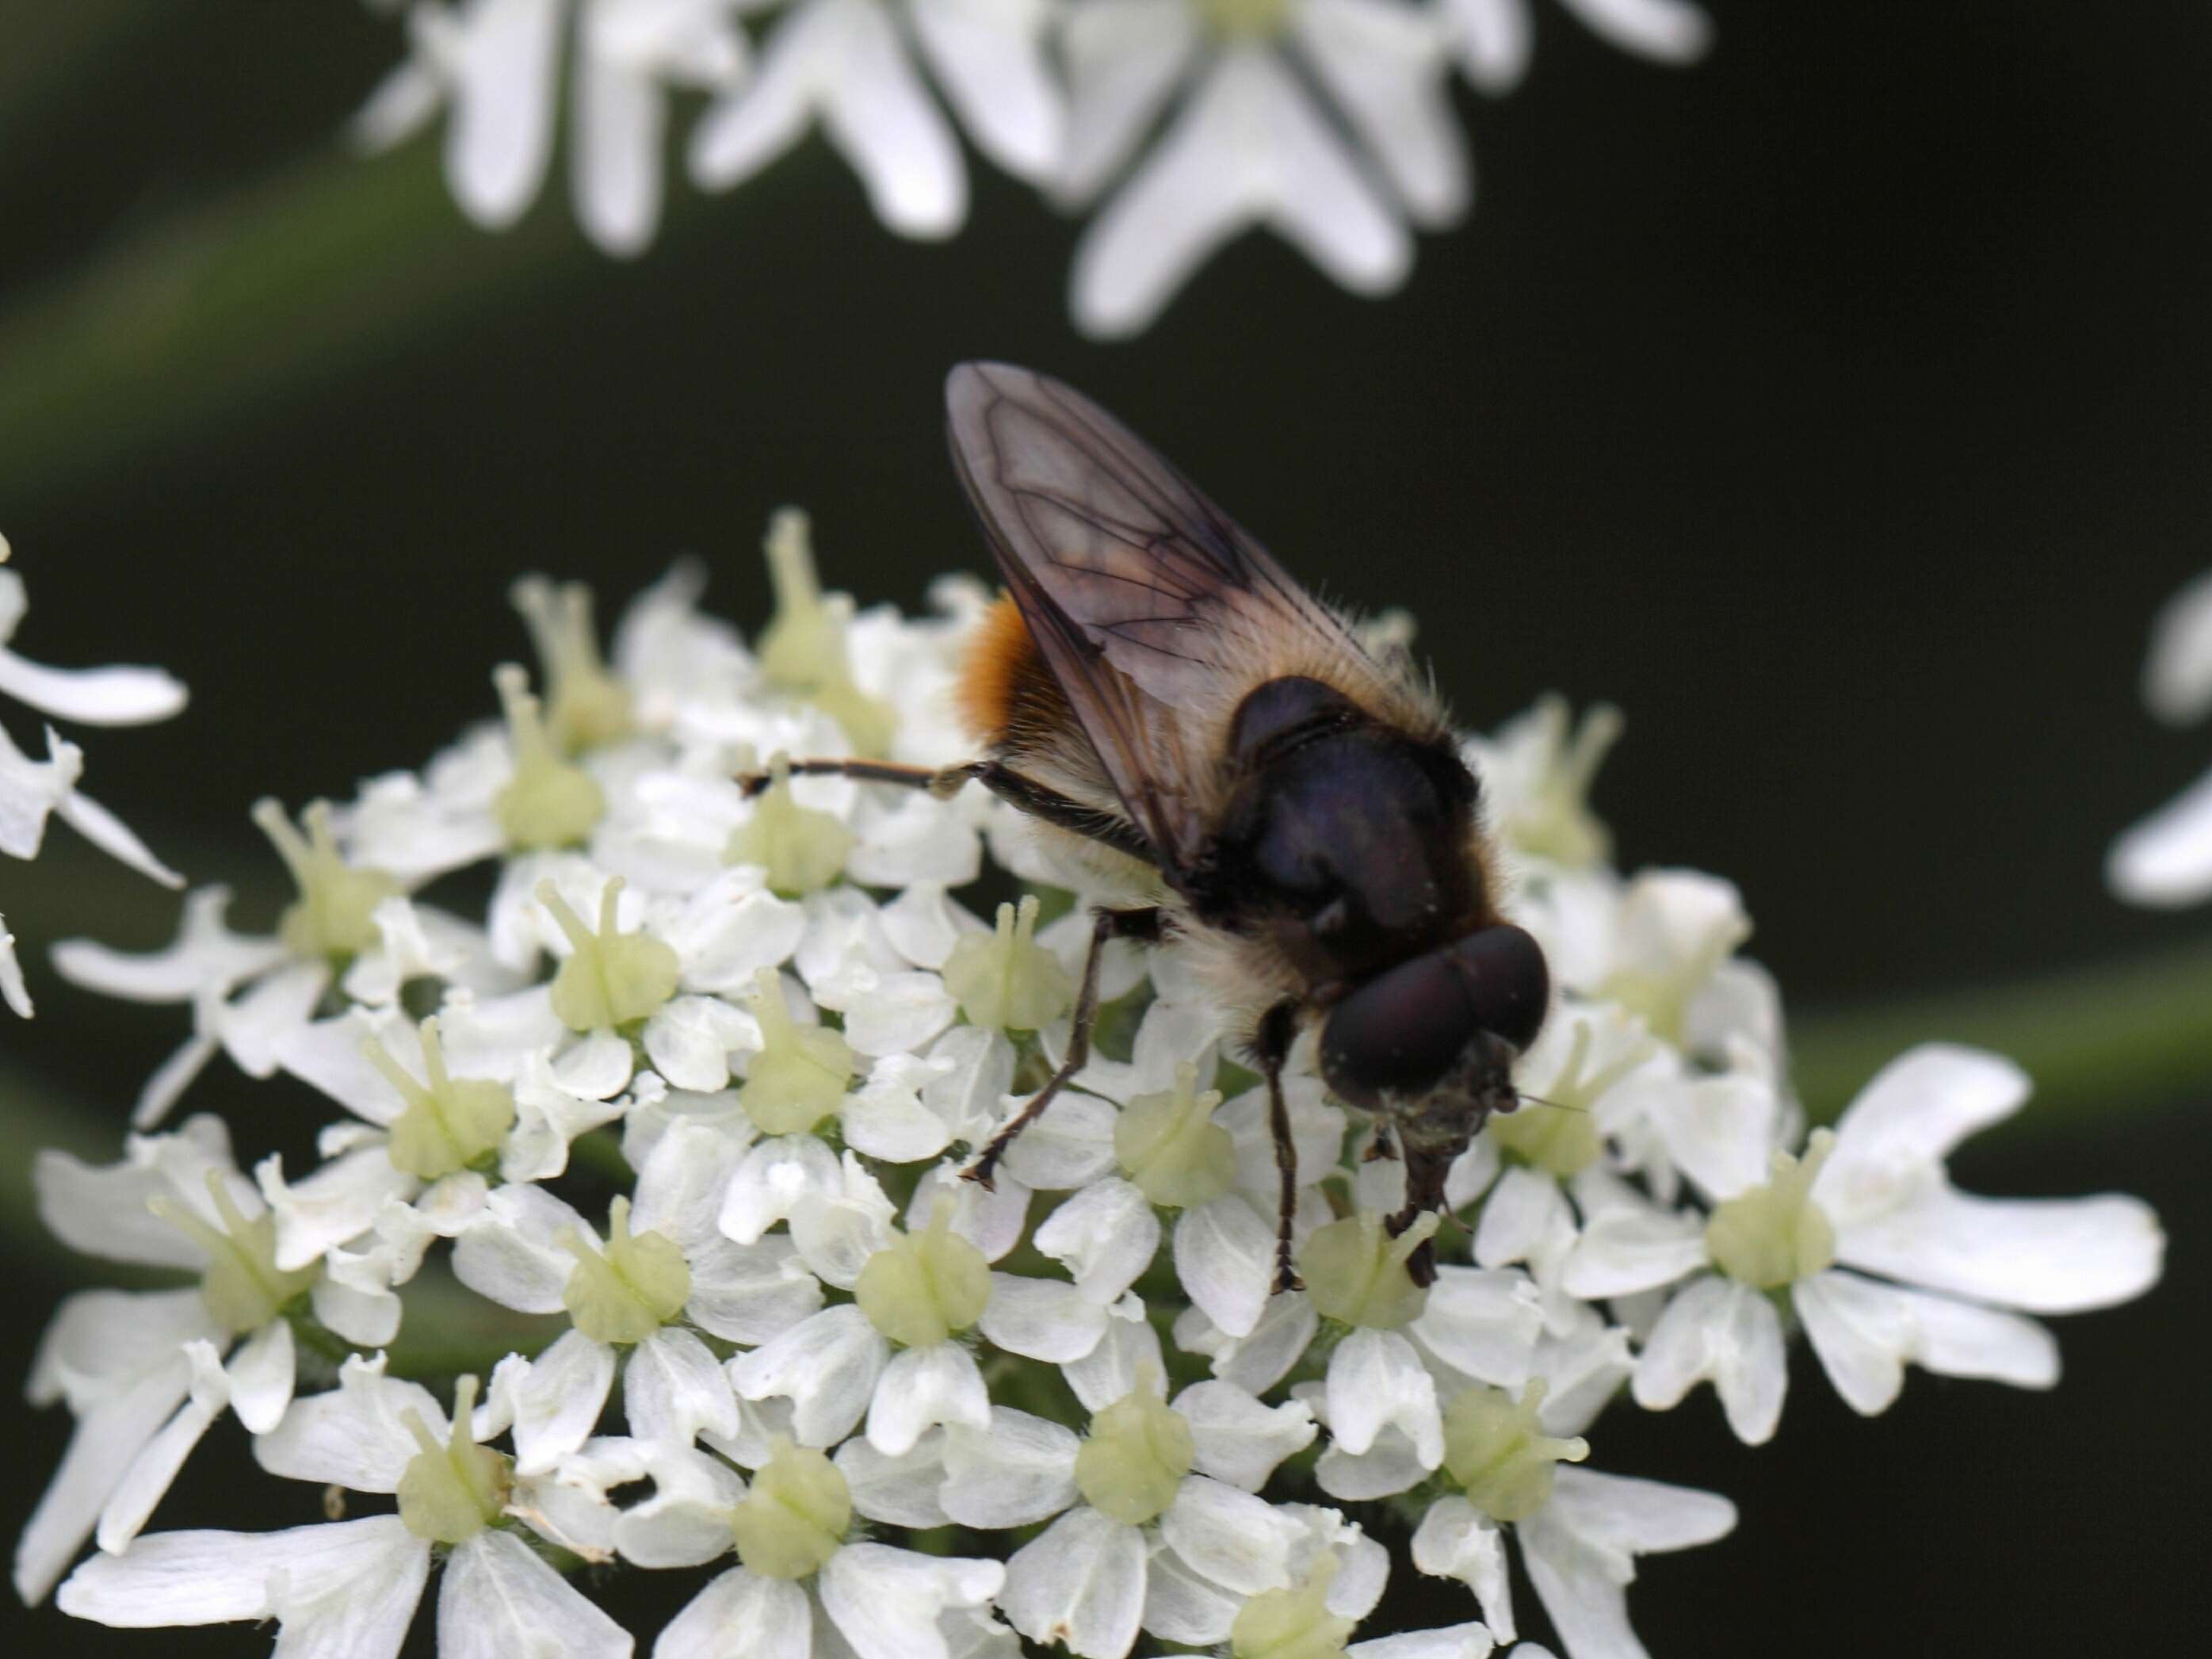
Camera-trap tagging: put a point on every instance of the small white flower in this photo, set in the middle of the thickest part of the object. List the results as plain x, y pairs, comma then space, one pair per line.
144, 1371
355, 1584
1938, 1271
1250, 146
2165, 860
844, 64
496, 63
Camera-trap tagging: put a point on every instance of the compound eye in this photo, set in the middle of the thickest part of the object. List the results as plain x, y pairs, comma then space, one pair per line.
1405, 1031
1508, 983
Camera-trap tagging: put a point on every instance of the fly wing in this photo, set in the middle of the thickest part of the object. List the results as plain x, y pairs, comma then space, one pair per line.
1138, 589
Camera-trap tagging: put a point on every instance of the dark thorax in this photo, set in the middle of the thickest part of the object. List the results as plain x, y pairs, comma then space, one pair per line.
1344, 839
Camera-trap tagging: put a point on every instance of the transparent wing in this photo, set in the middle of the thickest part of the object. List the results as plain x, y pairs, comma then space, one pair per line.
1136, 588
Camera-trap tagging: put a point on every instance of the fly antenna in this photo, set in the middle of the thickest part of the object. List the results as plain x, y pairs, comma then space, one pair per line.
1556, 1105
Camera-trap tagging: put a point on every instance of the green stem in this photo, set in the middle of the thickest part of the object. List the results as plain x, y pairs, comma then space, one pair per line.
2120, 1036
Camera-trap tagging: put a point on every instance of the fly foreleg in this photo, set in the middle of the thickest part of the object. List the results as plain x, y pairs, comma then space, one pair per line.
1271, 1047
1106, 925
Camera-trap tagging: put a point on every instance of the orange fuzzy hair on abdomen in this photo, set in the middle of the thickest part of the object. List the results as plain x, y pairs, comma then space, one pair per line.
1005, 691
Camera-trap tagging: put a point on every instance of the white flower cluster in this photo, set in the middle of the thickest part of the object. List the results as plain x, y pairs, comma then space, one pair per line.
33, 791
2165, 860
694, 1094
1329, 121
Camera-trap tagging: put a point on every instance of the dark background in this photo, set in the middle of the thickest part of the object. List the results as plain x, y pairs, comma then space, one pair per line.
1838, 408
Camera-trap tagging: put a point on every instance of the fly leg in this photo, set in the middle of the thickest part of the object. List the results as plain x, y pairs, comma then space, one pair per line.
1426, 1169
1271, 1047
1024, 793
1106, 925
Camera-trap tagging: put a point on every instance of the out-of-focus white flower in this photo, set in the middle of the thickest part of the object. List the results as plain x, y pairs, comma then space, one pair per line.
2165, 860
126, 1361
1938, 1272
33, 791
843, 65
496, 64
1495, 38
1251, 146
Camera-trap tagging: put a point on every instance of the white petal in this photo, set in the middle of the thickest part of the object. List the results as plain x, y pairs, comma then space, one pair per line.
499, 1598
114, 837
349, 1588
1482, 1322
2165, 859
1523, 1212
1105, 1236
1672, 30
826, 1366
615, 152
2178, 670
260, 1377
1248, 149
109, 1436
1238, 1440
1081, 1584
1469, 1641
1457, 1540
13, 989
155, 1469
1240, 1542
902, 1491
1865, 1333
1633, 1248
690, 1040
922, 1388
2045, 1255
1915, 1110
877, 114
886, 1601
1258, 1361
1020, 1471
1225, 1254
206, 953
680, 1184
511, 1254
673, 1390
776, 1178
1111, 1369
1492, 37
750, 1292
686, 1521
1389, 1466
988, 56
93, 697
1728, 1333
1638, 1517
353, 1434
1123, 58
501, 135
1182, 1606
1071, 1145
1383, 67
1719, 1131
1043, 1319
1374, 1379
741, 1615
885, 1117
597, 1066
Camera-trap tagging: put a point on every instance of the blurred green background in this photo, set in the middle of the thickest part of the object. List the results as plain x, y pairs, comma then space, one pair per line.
1839, 408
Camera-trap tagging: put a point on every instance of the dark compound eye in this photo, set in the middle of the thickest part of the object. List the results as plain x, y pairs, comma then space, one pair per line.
1405, 1031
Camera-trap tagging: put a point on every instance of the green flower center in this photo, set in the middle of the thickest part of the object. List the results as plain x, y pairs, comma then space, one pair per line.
1132, 1463
803, 649
548, 802
1169, 1145
1355, 1272
795, 1517
612, 978
449, 1122
1005, 981
625, 1294
241, 1284
586, 705
334, 915
799, 1075
802, 850
450, 1492
1560, 1135
1295, 1623
923, 1287
1245, 20
1502, 1459
1774, 1234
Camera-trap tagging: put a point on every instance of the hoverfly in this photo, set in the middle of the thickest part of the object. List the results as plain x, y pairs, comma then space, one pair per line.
1161, 696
